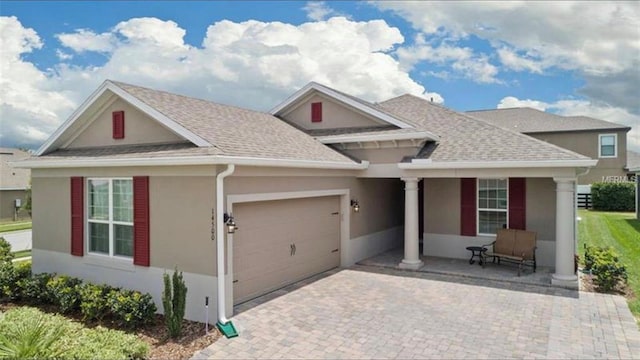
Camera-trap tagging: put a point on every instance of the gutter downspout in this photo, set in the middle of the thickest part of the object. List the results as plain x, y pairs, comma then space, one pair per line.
225, 326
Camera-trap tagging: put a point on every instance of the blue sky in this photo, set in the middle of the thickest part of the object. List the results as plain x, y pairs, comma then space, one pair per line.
571, 58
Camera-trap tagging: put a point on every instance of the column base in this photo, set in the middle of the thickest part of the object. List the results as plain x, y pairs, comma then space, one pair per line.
411, 264
565, 281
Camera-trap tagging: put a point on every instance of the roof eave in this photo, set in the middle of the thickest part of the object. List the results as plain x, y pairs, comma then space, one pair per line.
189, 160
428, 164
423, 135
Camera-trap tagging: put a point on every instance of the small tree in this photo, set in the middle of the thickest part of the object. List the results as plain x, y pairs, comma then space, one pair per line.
174, 301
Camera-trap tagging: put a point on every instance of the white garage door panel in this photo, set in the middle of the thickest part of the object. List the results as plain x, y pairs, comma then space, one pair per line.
262, 258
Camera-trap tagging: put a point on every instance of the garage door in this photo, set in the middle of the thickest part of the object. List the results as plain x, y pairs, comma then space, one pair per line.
280, 242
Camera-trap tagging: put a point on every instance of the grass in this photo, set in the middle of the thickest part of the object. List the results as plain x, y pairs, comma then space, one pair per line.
621, 231
15, 226
27, 332
21, 254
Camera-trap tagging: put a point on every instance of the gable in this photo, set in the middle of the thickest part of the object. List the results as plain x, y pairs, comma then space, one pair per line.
139, 128
334, 115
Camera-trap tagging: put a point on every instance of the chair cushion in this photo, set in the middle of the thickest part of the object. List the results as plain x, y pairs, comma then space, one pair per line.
505, 239
525, 244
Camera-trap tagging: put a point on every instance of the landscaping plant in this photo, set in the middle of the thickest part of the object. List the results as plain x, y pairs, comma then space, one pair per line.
93, 301
30, 338
604, 263
131, 309
65, 292
174, 301
614, 196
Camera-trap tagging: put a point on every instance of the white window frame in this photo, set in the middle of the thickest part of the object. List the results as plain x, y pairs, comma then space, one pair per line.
109, 222
478, 209
615, 146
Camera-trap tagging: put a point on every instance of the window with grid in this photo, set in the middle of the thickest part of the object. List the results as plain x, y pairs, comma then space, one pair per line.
492, 205
608, 145
110, 216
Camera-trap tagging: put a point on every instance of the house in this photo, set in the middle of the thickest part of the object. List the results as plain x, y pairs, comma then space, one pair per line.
14, 183
138, 181
597, 139
633, 162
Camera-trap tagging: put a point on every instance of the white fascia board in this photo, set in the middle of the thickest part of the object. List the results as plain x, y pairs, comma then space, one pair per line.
12, 188
420, 164
190, 160
344, 99
423, 135
635, 169
153, 113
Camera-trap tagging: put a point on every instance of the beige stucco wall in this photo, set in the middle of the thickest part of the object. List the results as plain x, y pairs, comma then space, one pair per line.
139, 129
51, 214
334, 115
7, 204
586, 143
382, 156
442, 206
380, 199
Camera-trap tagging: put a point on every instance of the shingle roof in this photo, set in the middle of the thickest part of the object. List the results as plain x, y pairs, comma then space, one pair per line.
465, 138
235, 131
10, 177
130, 151
633, 160
528, 120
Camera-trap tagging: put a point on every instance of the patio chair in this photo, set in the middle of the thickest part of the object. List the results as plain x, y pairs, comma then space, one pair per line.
512, 245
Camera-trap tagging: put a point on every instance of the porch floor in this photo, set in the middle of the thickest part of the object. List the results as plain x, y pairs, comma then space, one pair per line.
461, 267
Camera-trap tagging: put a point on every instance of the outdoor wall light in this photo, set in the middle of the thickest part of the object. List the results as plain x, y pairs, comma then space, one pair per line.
231, 224
355, 206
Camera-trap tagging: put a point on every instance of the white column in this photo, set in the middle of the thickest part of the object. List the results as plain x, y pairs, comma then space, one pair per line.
411, 227
565, 239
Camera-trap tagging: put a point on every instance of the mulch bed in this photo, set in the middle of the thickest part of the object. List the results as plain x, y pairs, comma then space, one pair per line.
155, 334
587, 284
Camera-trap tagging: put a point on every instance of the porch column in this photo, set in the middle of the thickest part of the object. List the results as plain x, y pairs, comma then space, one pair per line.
411, 227
565, 234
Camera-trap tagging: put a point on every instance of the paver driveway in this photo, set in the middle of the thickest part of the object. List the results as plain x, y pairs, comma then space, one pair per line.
365, 312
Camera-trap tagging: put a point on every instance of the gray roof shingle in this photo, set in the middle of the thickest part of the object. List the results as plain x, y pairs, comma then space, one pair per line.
465, 138
633, 160
528, 120
10, 177
235, 131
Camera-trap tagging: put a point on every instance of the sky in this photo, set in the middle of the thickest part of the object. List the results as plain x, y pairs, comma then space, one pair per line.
566, 57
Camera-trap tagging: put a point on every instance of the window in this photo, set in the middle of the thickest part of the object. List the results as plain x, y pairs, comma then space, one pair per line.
110, 216
608, 145
492, 205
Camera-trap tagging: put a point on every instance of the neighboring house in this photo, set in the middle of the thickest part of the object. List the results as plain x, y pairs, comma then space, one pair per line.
597, 139
633, 162
128, 186
14, 183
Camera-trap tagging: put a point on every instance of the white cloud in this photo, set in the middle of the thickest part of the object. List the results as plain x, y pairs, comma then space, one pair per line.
252, 64
475, 67
513, 61
63, 55
86, 40
318, 10
584, 108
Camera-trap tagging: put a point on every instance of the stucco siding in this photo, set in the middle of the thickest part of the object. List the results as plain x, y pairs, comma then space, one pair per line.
334, 115
51, 214
139, 129
7, 204
442, 206
541, 207
586, 143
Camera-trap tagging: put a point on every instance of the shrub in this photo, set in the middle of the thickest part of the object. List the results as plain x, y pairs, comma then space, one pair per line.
605, 265
34, 290
93, 301
5, 252
174, 302
613, 196
30, 338
10, 278
131, 309
64, 293
77, 341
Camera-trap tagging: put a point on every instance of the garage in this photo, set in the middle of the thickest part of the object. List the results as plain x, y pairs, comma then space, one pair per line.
283, 241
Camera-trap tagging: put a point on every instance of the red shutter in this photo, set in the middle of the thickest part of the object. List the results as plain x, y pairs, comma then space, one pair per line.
118, 124
316, 112
141, 220
517, 203
77, 216
468, 206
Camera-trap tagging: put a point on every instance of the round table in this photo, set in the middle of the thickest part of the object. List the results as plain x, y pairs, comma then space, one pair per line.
476, 251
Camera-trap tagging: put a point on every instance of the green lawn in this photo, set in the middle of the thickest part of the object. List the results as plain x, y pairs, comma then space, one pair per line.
14, 226
621, 231
21, 254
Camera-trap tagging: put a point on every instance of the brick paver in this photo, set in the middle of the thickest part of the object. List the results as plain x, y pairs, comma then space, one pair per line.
367, 312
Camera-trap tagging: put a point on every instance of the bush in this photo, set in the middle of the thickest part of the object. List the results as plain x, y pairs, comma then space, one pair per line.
613, 196
34, 290
131, 309
174, 302
10, 278
605, 265
93, 301
64, 293
5, 252
30, 338
77, 342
